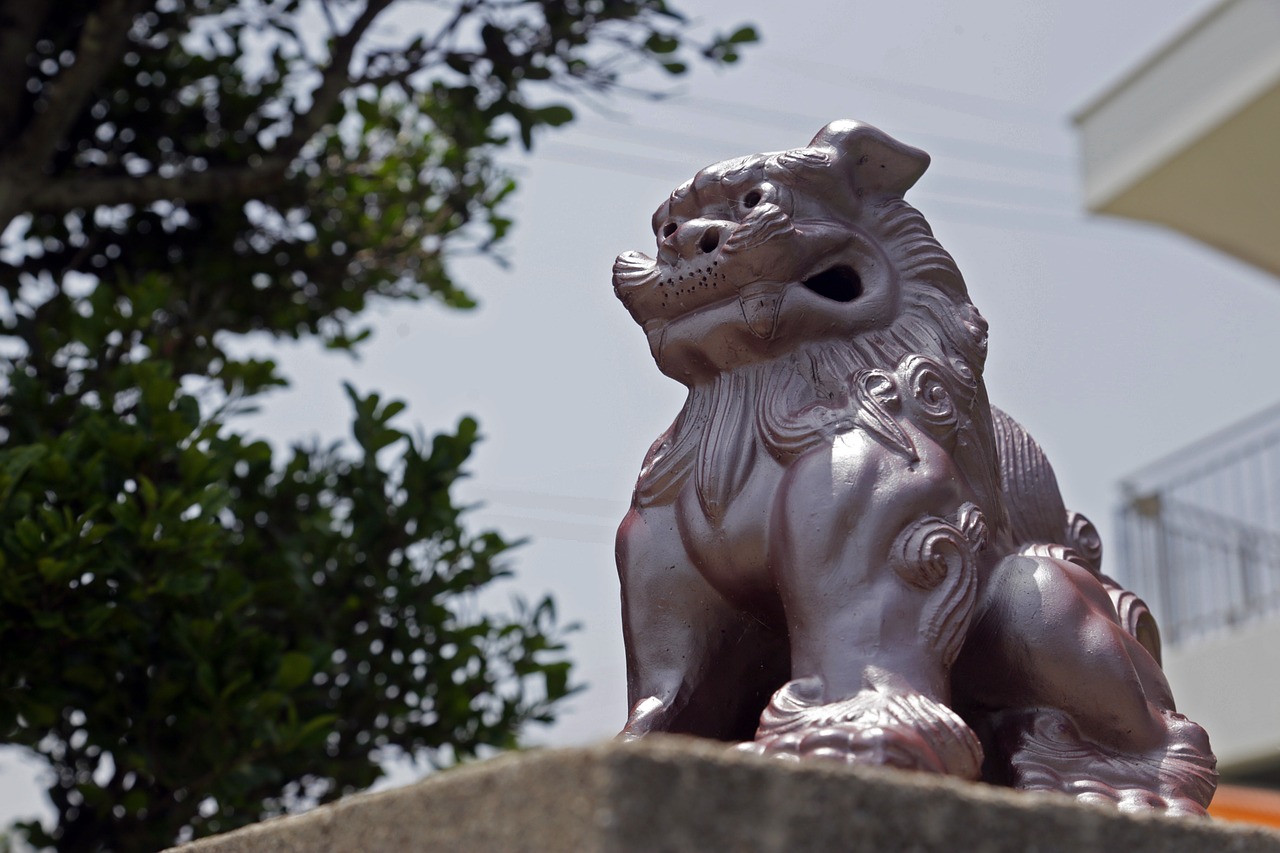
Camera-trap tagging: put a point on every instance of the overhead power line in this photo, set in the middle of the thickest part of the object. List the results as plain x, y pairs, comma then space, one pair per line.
981, 207
669, 140
985, 152
952, 100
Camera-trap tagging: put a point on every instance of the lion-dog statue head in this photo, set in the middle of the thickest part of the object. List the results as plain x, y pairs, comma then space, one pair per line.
839, 549
810, 257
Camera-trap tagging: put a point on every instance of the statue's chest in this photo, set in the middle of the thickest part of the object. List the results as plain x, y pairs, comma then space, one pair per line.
724, 513
720, 469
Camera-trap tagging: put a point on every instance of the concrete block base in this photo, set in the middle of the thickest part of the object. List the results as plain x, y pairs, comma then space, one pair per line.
680, 795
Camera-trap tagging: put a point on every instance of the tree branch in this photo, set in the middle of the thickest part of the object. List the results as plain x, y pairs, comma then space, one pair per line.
99, 45
24, 160
101, 42
214, 184
333, 82
20, 23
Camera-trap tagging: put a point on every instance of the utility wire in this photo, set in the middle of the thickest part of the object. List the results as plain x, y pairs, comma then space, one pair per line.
650, 137
984, 151
570, 531
980, 212
673, 171
608, 508
952, 100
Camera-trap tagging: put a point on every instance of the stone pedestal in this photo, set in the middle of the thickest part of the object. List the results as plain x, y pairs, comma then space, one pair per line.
682, 795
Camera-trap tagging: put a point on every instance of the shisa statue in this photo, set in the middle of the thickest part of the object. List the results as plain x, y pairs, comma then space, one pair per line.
840, 550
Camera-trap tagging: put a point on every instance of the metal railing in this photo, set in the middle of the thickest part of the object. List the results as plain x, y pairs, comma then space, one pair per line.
1200, 531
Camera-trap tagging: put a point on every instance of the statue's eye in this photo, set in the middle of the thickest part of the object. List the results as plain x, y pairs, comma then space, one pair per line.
751, 199
668, 229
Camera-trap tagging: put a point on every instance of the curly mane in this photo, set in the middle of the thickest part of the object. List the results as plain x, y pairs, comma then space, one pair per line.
806, 395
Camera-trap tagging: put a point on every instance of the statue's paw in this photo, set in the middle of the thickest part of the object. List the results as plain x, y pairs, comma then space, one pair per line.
1126, 799
850, 743
647, 715
907, 731
1131, 799
1047, 753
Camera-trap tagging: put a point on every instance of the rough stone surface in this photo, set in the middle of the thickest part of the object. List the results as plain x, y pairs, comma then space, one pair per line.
677, 795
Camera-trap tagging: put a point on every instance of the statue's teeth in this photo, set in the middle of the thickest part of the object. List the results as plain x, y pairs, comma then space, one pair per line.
761, 312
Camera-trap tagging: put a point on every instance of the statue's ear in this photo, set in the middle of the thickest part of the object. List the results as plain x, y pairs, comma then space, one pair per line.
872, 159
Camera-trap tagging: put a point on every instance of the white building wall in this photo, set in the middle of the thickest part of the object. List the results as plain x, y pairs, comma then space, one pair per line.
1230, 684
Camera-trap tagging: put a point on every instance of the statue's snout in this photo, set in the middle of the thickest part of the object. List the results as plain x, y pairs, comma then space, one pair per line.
687, 241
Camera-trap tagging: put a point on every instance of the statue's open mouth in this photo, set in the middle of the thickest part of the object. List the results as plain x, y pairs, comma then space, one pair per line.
761, 300
840, 283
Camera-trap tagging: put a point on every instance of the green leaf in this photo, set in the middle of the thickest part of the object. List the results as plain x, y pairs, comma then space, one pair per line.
147, 490
204, 680
314, 730
295, 668
661, 43
29, 535
555, 115
53, 622
38, 715
56, 571
368, 110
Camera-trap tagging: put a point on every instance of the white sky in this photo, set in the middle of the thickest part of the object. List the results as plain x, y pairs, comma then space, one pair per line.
1114, 343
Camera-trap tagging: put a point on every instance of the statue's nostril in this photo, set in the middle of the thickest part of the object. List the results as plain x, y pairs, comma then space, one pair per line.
710, 241
669, 229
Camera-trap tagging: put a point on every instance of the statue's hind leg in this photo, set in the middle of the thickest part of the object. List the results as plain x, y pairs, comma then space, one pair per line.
1068, 701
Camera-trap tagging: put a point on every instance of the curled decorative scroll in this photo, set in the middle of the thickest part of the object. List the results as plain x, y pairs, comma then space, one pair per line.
1085, 539
876, 401
928, 551
934, 555
1057, 552
973, 524
963, 375
1136, 617
932, 404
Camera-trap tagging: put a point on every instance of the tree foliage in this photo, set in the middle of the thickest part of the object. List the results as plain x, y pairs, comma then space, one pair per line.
198, 629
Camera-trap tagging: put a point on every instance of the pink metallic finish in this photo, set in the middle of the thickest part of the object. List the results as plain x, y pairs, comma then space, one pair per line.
839, 549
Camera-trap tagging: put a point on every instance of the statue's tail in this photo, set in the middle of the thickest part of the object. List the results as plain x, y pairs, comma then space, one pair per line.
1041, 524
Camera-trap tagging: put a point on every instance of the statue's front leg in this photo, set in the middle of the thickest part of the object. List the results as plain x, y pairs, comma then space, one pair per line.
878, 586
695, 664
